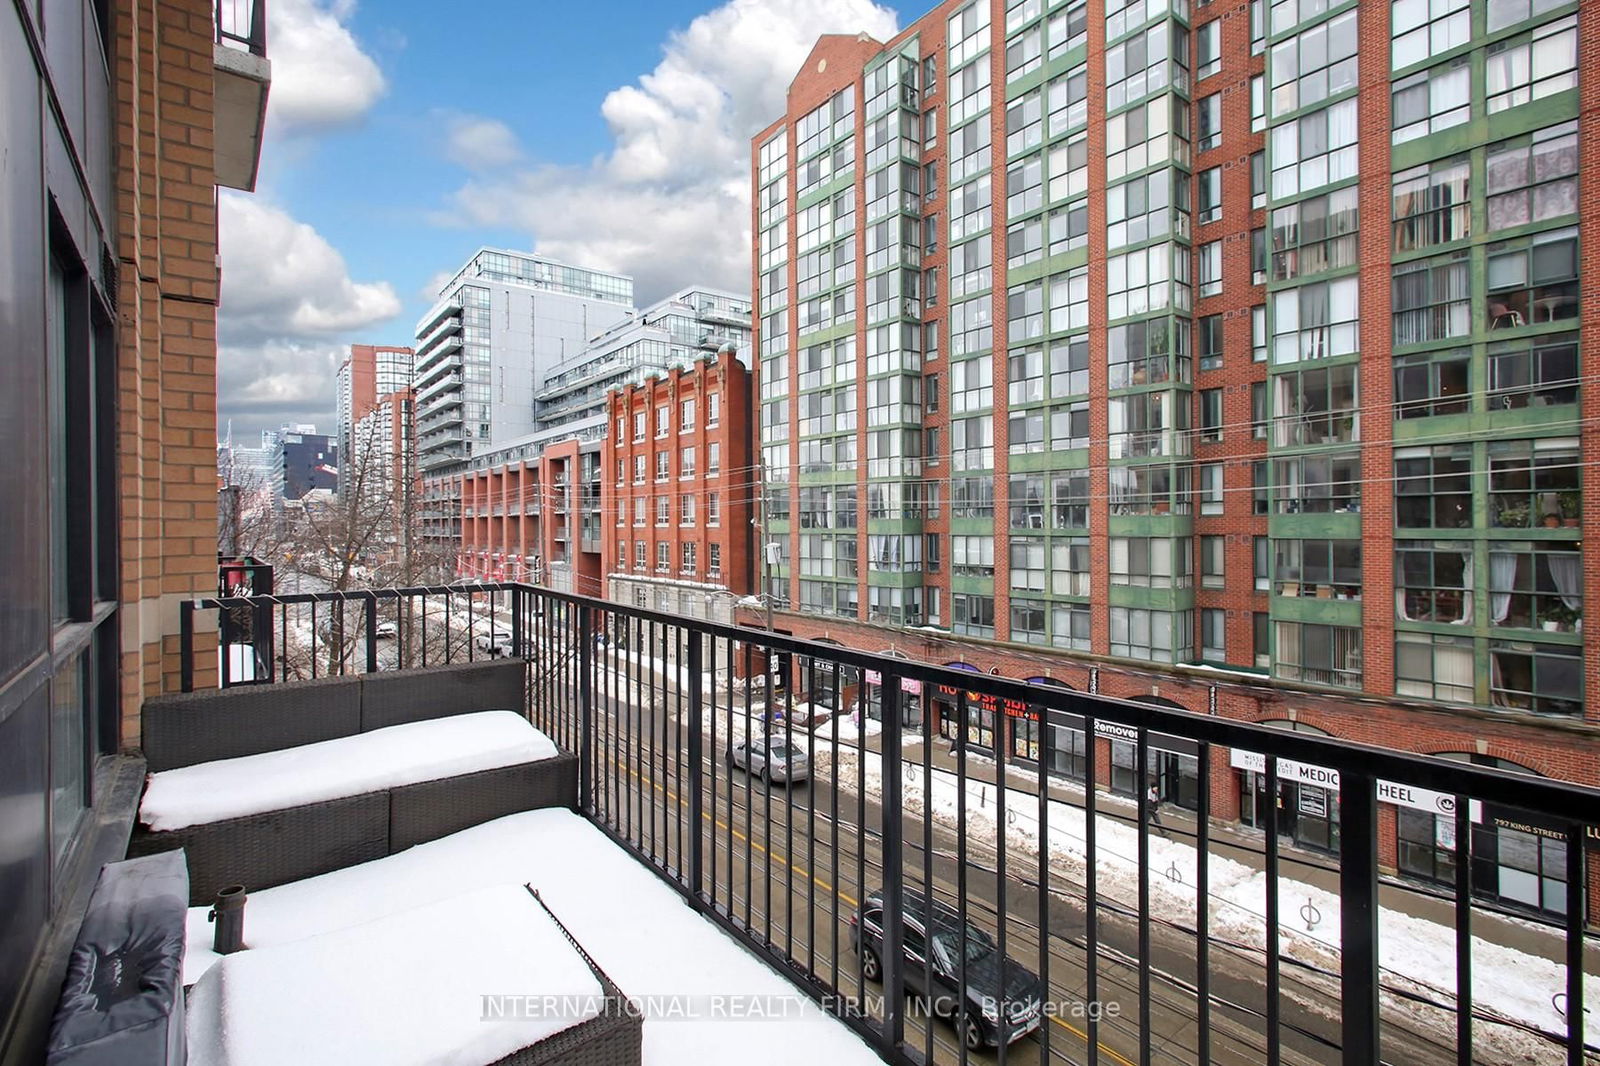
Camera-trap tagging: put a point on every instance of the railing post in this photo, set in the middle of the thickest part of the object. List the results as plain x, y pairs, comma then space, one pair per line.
186, 646
696, 753
1358, 917
372, 632
585, 705
894, 987
517, 648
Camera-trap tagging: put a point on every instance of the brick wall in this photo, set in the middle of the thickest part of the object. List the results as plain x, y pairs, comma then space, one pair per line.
167, 334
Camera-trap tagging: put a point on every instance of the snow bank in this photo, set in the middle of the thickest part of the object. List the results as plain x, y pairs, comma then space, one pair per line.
348, 766
406, 989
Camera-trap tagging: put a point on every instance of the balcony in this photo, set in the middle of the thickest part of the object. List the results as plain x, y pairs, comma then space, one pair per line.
241, 77
1166, 948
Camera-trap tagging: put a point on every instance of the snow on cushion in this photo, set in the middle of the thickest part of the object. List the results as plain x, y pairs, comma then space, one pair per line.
409, 989
348, 766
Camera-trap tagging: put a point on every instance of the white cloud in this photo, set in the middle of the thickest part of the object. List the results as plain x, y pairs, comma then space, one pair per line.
480, 143
321, 77
670, 203
281, 278
288, 307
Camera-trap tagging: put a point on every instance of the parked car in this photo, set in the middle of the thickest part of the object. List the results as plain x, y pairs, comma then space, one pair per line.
388, 630
771, 759
975, 1010
494, 642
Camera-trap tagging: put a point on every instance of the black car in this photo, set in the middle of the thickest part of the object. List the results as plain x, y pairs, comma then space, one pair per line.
976, 1014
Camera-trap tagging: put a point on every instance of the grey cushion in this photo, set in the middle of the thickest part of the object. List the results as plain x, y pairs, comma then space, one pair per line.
403, 696
196, 727
122, 1002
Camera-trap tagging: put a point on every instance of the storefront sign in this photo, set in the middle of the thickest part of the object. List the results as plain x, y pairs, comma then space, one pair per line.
1128, 734
1413, 796
907, 684
983, 701
1312, 801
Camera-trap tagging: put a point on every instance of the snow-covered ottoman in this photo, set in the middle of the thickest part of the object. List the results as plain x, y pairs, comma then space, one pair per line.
488, 977
280, 816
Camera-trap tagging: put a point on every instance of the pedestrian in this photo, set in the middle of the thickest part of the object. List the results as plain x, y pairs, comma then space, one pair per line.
1153, 800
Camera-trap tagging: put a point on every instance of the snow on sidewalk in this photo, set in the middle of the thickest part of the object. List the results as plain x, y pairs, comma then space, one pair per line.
1508, 982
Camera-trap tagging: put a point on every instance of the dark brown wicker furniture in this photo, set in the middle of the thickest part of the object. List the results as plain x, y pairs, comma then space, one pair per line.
275, 847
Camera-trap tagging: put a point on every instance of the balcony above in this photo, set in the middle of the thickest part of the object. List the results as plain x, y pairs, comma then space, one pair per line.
242, 75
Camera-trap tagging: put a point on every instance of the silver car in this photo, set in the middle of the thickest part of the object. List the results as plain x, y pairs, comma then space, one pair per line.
771, 758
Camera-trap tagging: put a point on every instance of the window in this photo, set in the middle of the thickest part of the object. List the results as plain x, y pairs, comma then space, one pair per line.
1260, 491
1213, 634
1314, 65
1319, 655
1024, 53
1258, 27
1258, 103
1258, 410
1154, 562
663, 510
1433, 487
1432, 300
663, 556
1542, 64
1433, 668
1534, 373
1212, 552
713, 508
1261, 639
1314, 150
1315, 321
1029, 569
1544, 678
1152, 635
1211, 268
1210, 342
1067, 102
1149, 489
638, 469
1317, 484
1261, 562
1533, 179
1141, 137
1321, 569
972, 615
1534, 279
690, 557
1432, 383
1431, 100
686, 464
639, 420
1424, 28
1208, 49
713, 458
1315, 235
1535, 483
1210, 194
1258, 333
713, 560
686, 509
641, 552
1208, 122
1140, 65
663, 421
1069, 507
1211, 497
1139, 210
1432, 204
686, 416
1503, 13
639, 505
1211, 415
1258, 180
1433, 581
713, 409
663, 465
1146, 353
972, 556
931, 554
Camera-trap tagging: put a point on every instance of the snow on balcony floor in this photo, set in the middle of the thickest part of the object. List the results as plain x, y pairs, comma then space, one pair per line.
691, 975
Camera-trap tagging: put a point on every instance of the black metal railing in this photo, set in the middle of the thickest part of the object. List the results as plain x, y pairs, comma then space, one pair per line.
1151, 931
242, 24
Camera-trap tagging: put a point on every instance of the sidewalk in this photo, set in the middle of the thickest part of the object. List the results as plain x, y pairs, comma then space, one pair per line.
1246, 846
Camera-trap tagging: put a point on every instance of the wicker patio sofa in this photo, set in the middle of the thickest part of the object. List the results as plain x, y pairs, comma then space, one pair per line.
275, 847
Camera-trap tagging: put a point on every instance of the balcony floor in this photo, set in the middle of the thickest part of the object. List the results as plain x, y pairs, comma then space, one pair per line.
638, 930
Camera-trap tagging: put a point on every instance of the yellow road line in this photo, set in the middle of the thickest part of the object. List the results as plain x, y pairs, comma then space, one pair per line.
841, 893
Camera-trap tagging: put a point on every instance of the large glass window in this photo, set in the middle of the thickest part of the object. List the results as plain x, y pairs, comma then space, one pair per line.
1316, 321
1321, 569
1432, 204
1433, 581
1432, 100
1432, 383
1423, 28
1535, 586
1318, 654
1534, 373
1315, 150
1433, 487
1534, 279
1318, 405
1152, 635
1317, 484
1545, 678
1314, 65
1535, 483
1432, 300
1433, 667
1533, 67
1533, 179
1315, 235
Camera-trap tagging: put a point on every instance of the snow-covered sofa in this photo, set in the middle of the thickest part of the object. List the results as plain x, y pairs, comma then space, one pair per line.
264, 785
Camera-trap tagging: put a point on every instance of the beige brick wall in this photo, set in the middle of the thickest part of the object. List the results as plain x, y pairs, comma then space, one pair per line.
166, 252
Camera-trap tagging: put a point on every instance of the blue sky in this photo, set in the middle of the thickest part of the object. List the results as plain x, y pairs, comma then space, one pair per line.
613, 135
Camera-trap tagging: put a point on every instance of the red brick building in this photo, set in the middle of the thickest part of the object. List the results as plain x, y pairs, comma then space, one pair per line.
677, 490
1200, 356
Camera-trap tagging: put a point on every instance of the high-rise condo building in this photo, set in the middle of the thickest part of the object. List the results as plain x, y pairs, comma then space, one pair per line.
1228, 355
